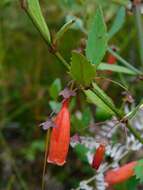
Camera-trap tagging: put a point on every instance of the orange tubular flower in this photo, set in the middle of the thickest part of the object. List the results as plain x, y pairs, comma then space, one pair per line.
121, 174
98, 157
60, 137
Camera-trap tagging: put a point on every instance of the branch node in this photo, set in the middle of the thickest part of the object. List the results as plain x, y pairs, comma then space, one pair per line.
24, 4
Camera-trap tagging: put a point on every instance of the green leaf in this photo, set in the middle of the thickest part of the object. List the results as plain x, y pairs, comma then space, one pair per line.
130, 184
134, 111
97, 38
86, 117
93, 98
55, 106
102, 115
78, 25
139, 170
33, 9
81, 70
105, 98
118, 22
102, 94
55, 88
81, 151
116, 68
64, 28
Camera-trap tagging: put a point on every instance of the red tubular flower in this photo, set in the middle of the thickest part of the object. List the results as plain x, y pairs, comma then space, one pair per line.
60, 137
120, 174
98, 157
111, 59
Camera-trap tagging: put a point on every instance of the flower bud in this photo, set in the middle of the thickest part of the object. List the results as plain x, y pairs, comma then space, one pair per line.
98, 157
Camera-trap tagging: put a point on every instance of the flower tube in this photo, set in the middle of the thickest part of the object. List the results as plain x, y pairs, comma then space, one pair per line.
60, 136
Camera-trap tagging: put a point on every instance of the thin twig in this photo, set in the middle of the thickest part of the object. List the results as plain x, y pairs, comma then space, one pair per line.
140, 30
61, 59
45, 158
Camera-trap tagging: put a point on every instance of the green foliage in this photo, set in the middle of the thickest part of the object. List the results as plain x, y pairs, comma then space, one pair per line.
54, 91
81, 70
78, 24
102, 115
81, 121
31, 151
119, 58
95, 99
101, 93
81, 151
139, 170
63, 29
34, 10
86, 117
97, 38
118, 22
130, 184
134, 111
106, 100
116, 68
55, 106
55, 88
